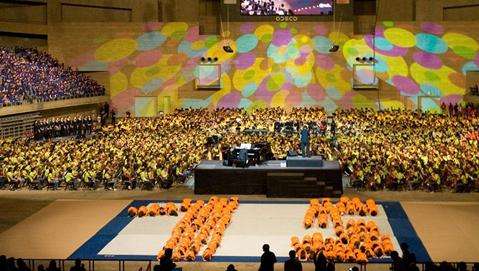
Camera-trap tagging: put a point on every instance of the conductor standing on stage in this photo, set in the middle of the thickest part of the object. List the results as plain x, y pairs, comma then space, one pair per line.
304, 136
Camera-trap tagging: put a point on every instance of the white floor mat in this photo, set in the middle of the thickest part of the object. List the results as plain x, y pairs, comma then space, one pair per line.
253, 224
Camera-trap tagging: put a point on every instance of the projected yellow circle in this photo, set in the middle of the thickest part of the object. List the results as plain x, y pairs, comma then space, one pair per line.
116, 49
400, 37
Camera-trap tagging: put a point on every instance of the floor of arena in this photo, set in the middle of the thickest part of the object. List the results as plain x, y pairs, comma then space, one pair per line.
253, 224
68, 224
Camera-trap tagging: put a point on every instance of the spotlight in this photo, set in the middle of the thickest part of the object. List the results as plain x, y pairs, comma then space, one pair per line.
203, 59
228, 49
334, 48
215, 59
364, 59
209, 59
358, 59
372, 60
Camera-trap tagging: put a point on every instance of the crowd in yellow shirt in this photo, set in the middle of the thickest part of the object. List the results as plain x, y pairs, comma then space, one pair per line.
391, 149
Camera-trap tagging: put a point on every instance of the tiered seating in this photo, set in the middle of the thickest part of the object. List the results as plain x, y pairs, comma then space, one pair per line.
28, 75
397, 150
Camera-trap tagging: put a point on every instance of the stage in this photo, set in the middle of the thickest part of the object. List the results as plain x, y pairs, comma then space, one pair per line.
272, 178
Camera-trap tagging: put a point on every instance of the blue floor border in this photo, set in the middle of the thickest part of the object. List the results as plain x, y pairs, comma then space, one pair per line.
398, 219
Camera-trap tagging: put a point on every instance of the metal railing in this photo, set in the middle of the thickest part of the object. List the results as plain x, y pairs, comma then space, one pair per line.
134, 265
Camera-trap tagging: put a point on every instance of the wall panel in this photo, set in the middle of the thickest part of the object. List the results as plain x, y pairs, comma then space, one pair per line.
85, 13
461, 13
439, 10
275, 64
23, 13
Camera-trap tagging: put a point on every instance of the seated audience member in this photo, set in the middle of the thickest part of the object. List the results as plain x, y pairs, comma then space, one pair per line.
292, 264
11, 264
231, 267
3, 262
331, 266
166, 262
461, 266
320, 262
446, 266
398, 264
22, 266
52, 266
78, 266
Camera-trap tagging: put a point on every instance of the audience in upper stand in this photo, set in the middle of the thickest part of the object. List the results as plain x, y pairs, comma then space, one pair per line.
28, 75
394, 149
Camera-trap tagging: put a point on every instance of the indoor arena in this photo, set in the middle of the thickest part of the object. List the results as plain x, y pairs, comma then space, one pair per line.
239, 135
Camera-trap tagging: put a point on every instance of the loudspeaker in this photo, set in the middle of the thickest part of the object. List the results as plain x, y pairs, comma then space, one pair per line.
228, 49
333, 49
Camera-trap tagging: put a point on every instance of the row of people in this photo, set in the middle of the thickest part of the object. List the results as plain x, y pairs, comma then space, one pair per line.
398, 149
79, 126
28, 75
12, 264
107, 178
267, 263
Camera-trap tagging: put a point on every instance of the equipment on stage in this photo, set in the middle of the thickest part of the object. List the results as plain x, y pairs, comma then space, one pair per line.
290, 127
298, 161
248, 155
255, 131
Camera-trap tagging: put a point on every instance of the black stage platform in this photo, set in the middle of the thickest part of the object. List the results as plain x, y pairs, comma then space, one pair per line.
272, 179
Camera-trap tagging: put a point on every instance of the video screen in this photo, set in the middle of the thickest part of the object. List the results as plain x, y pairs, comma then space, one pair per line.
286, 7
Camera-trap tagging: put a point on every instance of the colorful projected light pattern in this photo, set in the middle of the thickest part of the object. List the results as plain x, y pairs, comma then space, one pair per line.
289, 64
